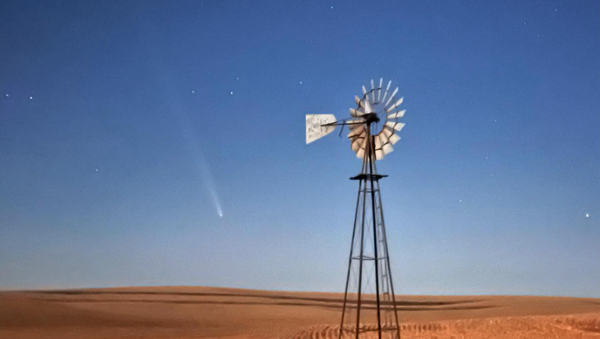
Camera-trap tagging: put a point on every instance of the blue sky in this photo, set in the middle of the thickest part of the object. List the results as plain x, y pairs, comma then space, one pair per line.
126, 129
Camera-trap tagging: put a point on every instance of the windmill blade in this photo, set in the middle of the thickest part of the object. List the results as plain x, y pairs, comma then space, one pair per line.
368, 108
382, 138
394, 139
314, 126
397, 115
359, 143
398, 103
391, 97
372, 90
387, 131
387, 148
359, 136
352, 124
386, 91
395, 125
363, 143
379, 154
357, 131
377, 142
356, 144
399, 126
356, 112
360, 153
357, 100
364, 90
379, 90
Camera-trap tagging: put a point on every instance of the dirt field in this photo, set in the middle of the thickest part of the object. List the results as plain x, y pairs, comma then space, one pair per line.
198, 312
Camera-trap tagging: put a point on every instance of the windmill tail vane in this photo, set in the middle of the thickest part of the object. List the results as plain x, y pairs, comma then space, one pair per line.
369, 306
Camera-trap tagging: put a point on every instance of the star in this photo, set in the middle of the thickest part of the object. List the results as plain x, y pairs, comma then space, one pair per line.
231, 93
331, 7
96, 170
30, 98
459, 200
7, 95
495, 120
587, 215
300, 82
193, 91
237, 78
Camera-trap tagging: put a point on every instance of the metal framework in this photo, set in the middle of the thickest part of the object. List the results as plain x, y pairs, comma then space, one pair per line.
368, 302
369, 295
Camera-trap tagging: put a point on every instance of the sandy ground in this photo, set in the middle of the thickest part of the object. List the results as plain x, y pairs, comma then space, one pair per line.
199, 312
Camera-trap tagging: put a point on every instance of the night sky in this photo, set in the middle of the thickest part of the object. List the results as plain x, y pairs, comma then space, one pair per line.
162, 143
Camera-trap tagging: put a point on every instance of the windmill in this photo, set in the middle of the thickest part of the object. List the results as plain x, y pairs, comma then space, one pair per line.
369, 306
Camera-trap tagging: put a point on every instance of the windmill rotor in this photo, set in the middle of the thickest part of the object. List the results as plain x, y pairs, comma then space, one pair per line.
376, 113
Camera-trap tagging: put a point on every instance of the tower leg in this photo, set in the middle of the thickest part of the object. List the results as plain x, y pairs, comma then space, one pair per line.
360, 265
350, 260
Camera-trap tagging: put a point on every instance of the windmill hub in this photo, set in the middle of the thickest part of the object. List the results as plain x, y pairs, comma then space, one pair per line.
371, 118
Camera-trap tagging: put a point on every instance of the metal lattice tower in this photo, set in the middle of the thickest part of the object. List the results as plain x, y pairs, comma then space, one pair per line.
369, 308
368, 260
